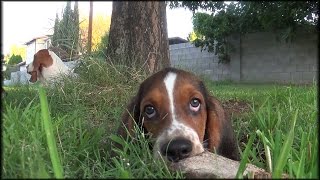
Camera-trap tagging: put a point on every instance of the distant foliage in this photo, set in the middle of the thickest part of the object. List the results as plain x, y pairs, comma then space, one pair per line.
16, 50
100, 32
66, 30
192, 36
103, 45
211, 30
56, 34
14, 59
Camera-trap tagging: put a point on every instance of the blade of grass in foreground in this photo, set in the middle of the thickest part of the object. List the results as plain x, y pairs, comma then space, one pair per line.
245, 155
285, 150
57, 168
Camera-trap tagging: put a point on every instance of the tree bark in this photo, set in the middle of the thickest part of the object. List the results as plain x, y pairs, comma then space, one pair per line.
138, 35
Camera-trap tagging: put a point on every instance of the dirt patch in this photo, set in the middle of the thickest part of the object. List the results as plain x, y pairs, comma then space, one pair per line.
236, 107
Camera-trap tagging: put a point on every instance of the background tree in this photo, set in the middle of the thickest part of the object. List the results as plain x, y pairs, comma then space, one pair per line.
66, 30
103, 45
56, 31
138, 35
16, 50
284, 17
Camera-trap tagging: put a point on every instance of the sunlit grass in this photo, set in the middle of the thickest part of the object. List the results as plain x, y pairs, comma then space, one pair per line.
85, 112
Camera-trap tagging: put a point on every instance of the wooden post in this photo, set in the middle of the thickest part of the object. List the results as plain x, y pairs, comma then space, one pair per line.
90, 27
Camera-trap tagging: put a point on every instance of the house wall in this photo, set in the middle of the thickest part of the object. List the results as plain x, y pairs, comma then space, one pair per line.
41, 44
30, 52
34, 47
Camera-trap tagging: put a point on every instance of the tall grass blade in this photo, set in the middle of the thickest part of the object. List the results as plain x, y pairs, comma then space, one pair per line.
57, 168
276, 147
285, 150
300, 169
245, 155
266, 145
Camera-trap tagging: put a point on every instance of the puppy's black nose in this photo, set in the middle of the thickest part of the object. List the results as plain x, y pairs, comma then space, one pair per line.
177, 149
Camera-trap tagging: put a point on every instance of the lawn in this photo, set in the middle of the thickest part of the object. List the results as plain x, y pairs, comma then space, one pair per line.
85, 114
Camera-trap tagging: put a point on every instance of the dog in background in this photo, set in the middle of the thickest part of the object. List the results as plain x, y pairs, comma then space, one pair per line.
46, 67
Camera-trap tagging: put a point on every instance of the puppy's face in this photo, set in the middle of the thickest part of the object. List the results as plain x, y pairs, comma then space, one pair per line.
171, 107
174, 107
174, 112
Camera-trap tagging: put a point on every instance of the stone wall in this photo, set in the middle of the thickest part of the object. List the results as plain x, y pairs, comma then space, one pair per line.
257, 57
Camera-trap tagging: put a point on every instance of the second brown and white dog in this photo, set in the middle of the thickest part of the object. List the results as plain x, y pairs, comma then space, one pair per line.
175, 109
46, 67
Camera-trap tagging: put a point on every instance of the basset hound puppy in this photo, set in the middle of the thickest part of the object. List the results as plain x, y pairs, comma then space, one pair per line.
174, 108
46, 67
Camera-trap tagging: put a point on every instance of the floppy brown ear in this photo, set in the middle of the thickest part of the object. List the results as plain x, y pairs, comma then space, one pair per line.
219, 130
36, 68
129, 116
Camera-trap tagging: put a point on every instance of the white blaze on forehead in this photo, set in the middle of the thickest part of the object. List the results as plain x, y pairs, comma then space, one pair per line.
169, 82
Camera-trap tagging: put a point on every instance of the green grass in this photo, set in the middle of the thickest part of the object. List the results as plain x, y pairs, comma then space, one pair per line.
286, 119
86, 112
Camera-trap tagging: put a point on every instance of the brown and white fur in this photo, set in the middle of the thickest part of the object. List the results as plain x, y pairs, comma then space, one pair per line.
46, 67
175, 109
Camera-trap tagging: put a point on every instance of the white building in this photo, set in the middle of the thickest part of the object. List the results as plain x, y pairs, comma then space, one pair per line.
36, 44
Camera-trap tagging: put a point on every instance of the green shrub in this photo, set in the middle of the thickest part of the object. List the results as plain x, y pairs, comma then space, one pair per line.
102, 46
14, 59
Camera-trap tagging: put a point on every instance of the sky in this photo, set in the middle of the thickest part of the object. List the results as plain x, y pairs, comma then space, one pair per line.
23, 21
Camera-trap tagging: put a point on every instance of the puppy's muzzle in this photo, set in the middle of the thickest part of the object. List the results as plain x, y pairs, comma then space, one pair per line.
177, 149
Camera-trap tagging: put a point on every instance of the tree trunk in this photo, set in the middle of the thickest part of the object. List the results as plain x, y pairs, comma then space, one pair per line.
90, 27
138, 35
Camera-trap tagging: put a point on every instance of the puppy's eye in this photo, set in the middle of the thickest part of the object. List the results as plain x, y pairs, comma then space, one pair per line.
195, 104
150, 111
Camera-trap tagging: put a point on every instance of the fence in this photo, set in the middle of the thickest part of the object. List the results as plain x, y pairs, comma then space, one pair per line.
257, 57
